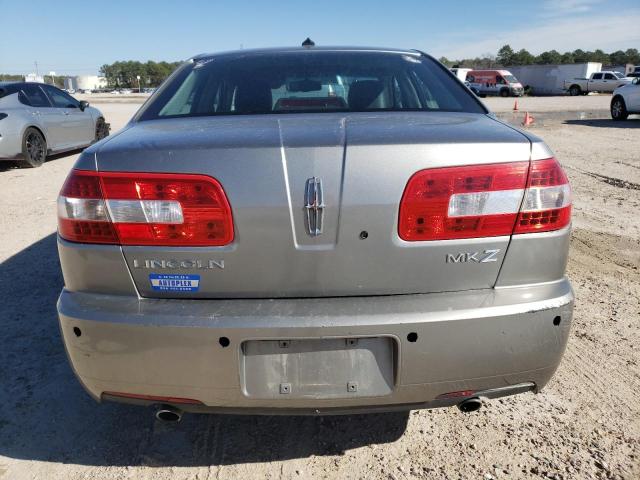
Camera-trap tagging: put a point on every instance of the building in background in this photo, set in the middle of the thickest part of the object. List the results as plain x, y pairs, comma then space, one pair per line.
625, 69
85, 82
32, 77
549, 79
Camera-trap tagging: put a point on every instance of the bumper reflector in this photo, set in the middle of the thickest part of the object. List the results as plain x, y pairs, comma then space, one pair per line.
460, 394
154, 398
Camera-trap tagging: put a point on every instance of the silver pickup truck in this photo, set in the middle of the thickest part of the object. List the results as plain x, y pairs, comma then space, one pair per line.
604, 82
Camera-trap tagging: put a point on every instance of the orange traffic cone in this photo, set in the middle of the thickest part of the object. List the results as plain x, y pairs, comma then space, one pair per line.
528, 120
515, 106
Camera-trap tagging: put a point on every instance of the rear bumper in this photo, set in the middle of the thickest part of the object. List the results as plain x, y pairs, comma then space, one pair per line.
10, 143
504, 339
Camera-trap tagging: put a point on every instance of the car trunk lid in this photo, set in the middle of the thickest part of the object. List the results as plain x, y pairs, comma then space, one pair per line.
315, 201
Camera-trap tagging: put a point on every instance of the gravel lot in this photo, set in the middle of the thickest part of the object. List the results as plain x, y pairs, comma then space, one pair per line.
585, 424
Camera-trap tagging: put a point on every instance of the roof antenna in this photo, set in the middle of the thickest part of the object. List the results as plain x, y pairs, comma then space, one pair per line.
308, 43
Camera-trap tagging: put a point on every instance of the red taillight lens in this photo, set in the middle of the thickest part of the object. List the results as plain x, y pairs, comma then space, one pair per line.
144, 209
484, 201
462, 202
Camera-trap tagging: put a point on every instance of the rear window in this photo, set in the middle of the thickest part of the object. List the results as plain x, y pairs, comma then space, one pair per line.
7, 90
32, 94
303, 82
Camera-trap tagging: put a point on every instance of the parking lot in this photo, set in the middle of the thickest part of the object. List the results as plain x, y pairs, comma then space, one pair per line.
585, 424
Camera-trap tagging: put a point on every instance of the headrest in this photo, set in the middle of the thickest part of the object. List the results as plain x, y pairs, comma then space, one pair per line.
364, 93
253, 96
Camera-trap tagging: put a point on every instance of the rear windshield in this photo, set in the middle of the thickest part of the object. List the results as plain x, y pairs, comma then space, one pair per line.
303, 82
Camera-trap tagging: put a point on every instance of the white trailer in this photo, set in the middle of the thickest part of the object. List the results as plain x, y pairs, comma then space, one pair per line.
461, 73
549, 79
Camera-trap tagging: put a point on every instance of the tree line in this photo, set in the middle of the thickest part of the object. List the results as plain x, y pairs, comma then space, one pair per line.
507, 56
58, 81
124, 74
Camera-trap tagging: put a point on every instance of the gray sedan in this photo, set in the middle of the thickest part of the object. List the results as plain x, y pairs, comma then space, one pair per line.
37, 120
314, 230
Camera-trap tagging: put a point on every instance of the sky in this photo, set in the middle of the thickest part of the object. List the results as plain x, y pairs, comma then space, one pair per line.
77, 37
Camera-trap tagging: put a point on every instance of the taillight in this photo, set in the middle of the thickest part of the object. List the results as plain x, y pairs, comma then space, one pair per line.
547, 201
82, 211
158, 209
485, 201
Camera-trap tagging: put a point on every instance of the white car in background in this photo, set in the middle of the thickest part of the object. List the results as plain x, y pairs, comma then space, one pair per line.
626, 100
37, 120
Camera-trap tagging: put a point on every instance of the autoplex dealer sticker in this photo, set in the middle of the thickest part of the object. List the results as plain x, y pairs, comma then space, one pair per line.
174, 283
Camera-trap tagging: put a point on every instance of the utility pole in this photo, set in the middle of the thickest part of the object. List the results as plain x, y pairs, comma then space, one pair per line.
36, 62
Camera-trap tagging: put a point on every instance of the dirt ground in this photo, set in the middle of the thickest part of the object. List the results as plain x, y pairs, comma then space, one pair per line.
585, 424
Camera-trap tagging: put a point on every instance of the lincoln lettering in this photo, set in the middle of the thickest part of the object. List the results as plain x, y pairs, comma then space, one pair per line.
173, 264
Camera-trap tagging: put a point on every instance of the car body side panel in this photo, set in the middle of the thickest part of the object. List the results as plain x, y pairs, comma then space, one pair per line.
535, 258
95, 268
539, 149
631, 96
79, 126
12, 128
53, 121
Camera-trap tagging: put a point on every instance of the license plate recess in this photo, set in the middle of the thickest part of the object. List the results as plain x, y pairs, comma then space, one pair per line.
318, 368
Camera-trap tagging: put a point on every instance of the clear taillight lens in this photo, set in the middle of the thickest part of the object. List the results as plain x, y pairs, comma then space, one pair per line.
144, 209
485, 201
547, 200
82, 210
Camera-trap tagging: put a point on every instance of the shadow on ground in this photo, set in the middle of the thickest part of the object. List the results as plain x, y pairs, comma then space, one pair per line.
48, 417
632, 122
13, 165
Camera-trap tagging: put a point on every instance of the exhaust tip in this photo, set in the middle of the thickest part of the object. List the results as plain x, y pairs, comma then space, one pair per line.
470, 405
168, 414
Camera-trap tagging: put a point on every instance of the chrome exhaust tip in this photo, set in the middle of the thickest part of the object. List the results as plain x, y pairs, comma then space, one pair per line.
470, 405
168, 414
